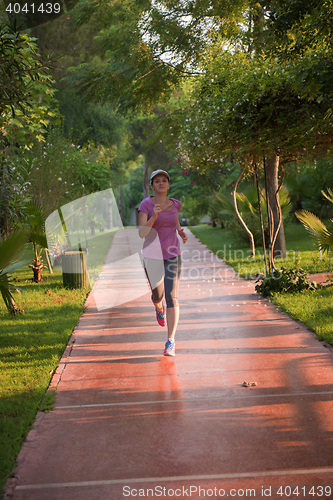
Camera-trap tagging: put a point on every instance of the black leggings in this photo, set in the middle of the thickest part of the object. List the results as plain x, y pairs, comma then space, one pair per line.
163, 277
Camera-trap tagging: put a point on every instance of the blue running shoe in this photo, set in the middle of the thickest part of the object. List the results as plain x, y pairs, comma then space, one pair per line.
169, 348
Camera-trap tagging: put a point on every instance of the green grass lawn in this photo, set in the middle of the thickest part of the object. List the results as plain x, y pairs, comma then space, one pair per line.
314, 309
31, 345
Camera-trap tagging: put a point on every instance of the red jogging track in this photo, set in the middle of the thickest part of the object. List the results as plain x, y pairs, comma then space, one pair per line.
131, 423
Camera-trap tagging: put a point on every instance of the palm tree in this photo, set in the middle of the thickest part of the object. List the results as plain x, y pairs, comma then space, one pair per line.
11, 250
322, 233
36, 225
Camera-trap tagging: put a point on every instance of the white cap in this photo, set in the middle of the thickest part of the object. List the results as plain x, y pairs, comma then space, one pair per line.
156, 172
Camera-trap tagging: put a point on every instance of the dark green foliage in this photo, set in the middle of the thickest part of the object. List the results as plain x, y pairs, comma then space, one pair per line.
13, 197
299, 188
70, 44
305, 181
11, 251
320, 232
54, 167
245, 106
300, 24
21, 65
151, 50
35, 220
319, 177
86, 123
194, 208
291, 280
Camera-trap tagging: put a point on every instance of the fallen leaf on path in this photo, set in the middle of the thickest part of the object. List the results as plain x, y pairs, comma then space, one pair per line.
249, 384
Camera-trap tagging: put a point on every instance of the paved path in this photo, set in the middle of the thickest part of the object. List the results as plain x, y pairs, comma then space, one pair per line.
130, 423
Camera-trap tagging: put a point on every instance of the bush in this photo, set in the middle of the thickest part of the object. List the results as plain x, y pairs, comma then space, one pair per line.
291, 280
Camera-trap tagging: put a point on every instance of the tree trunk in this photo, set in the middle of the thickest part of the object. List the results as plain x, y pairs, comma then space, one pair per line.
37, 267
250, 235
48, 261
272, 169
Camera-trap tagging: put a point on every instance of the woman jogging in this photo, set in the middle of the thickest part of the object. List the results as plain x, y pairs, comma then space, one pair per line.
158, 224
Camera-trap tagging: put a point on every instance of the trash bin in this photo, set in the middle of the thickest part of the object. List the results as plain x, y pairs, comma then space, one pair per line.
75, 268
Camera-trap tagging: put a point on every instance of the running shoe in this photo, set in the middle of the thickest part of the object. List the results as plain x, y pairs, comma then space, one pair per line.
169, 348
160, 316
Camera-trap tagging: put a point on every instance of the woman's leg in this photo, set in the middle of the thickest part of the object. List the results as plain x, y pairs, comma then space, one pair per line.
172, 315
172, 270
155, 273
154, 270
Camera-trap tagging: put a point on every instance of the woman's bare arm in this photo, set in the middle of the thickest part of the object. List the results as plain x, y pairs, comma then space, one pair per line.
145, 225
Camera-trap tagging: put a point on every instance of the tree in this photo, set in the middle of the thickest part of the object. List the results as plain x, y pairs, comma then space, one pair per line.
96, 127
27, 104
25, 111
35, 220
244, 109
151, 47
248, 206
298, 25
21, 67
11, 251
154, 46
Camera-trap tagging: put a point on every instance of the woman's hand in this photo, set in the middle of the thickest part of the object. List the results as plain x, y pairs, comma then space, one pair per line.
157, 210
182, 235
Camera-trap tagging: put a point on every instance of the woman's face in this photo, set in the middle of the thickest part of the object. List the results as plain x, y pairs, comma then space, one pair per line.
160, 183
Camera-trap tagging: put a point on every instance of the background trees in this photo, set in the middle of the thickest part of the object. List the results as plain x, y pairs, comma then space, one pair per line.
223, 86
21, 67
25, 112
245, 104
